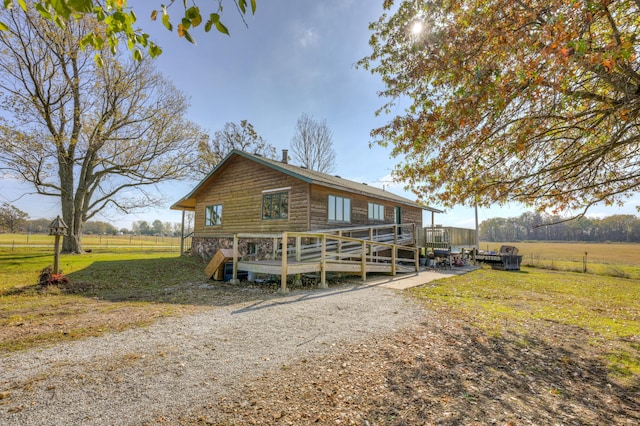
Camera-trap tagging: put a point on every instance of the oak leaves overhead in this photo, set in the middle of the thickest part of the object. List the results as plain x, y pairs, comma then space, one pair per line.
528, 101
119, 20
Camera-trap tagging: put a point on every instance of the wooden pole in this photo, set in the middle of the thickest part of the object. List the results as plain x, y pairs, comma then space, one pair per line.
323, 262
363, 261
477, 228
283, 277
56, 254
182, 235
394, 255
234, 279
298, 278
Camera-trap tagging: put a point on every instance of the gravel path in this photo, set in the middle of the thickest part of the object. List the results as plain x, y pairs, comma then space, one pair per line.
162, 372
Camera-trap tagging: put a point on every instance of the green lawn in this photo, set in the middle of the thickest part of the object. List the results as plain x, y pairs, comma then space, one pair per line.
605, 308
109, 291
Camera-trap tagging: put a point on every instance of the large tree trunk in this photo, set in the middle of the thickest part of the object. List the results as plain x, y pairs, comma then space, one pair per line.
72, 241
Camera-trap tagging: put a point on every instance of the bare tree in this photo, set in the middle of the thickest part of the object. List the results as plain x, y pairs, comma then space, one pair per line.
312, 144
94, 137
233, 136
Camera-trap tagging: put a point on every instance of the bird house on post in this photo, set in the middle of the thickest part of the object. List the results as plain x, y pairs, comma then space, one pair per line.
57, 228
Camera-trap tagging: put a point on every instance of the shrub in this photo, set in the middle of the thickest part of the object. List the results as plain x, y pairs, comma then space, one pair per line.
48, 278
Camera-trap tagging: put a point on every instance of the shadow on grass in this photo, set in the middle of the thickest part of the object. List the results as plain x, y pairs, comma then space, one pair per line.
512, 379
174, 280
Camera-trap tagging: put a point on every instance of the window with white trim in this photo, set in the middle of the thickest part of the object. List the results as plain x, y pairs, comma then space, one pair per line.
213, 215
376, 211
339, 209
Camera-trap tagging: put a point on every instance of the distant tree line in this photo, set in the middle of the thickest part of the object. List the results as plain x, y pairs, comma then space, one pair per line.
157, 227
540, 227
14, 220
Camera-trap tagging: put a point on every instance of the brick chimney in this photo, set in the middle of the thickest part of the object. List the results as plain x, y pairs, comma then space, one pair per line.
285, 156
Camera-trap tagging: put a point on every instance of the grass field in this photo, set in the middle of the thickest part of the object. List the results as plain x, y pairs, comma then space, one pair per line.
611, 259
93, 241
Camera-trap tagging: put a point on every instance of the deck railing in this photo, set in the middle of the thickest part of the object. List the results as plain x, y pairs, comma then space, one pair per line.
322, 252
185, 243
439, 237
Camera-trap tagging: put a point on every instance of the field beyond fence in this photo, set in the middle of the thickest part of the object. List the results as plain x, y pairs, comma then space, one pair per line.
93, 242
611, 259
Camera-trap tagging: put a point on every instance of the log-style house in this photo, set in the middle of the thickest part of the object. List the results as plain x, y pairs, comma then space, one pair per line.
247, 193
281, 219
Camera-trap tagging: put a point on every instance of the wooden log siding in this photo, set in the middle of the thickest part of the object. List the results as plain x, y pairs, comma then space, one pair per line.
359, 210
239, 189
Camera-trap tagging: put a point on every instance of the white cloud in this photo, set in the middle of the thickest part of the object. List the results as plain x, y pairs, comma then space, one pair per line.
306, 37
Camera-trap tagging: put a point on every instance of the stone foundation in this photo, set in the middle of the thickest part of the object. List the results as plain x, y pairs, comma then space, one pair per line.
248, 249
206, 248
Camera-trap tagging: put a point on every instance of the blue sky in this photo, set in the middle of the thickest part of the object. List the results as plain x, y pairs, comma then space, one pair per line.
295, 57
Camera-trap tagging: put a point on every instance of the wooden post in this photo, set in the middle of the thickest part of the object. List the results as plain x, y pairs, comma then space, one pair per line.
56, 254
298, 278
323, 261
57, 228
283, 277
182, 235
415, 234
363, 261
394, 256
235, 279
275, 248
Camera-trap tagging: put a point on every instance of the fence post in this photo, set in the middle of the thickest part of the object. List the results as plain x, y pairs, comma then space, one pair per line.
584, 263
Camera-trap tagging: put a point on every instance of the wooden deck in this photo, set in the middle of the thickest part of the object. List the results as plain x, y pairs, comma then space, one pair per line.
332, 251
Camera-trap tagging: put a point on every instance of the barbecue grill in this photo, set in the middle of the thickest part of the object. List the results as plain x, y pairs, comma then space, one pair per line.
507, 259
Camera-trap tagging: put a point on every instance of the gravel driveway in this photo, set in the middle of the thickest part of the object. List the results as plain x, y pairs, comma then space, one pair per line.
173, 367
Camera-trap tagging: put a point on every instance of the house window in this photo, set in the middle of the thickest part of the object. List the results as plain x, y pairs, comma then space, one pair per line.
376, 211
213, 215
275, 205
339, 209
